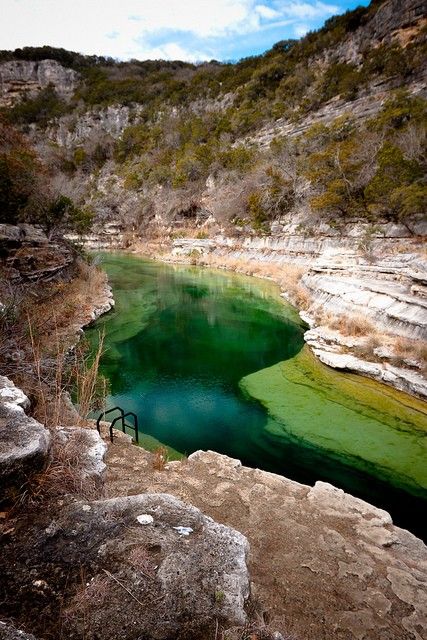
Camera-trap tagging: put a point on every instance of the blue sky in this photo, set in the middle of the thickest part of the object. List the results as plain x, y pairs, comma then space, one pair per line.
192, 30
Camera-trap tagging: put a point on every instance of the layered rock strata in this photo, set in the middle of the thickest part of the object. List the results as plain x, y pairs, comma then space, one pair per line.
19, 78
382, 284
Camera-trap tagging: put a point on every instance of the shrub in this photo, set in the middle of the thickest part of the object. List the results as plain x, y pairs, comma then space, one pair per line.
239, 158
256, 211
40, 110
400, 110
20, 174
394, 190
341, 78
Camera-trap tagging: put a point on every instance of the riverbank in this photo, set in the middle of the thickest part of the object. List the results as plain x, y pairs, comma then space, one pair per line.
189, 350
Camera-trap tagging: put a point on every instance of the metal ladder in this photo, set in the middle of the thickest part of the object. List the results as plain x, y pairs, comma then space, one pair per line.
120, 418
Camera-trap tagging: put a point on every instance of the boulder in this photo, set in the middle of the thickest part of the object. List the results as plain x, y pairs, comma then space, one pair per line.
90, 448
154, 567
10, 237
184, 569
24, 442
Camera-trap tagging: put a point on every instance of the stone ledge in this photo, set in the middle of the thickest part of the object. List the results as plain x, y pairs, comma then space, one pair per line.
24, 442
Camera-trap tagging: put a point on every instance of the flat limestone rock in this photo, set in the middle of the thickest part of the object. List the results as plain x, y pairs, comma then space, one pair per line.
324, 564
24, 442
148, 580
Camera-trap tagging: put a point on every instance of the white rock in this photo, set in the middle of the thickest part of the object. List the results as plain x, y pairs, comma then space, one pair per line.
12, 396
145, 518
183, 531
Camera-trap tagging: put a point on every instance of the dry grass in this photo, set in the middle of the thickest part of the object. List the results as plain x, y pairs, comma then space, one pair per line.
141, 559
160, 458
40, 329
91, 388
401, 349
351, 325
63, 473
88, 597
407, 349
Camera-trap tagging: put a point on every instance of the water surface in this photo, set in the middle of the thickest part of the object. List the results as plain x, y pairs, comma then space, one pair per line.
212, 360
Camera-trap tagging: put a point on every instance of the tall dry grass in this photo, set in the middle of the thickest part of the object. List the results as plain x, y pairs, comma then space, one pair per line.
63, 474
90, 387
39, 330
351, 324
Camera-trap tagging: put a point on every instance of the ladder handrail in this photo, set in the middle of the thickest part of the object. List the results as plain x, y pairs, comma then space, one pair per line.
124, 425
104, 413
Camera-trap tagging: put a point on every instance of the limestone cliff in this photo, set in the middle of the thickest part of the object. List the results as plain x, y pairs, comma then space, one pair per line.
19, 78
394, 21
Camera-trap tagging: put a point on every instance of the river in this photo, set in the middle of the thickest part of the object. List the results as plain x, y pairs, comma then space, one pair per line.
215, 360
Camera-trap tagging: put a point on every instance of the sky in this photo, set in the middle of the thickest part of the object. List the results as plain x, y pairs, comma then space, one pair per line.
191, 30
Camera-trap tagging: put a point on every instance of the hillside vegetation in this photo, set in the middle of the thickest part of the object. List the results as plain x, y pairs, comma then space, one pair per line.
190, 123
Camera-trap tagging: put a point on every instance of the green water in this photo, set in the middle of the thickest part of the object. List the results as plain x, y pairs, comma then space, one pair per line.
209, 360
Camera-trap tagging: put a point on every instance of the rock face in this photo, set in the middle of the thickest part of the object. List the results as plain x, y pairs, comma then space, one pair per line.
392, 304
26, 77
381, 282
30, 256
393, 21
328, 346
73, 130
323, 563
392, 16
24, 442
365, 106
154, 568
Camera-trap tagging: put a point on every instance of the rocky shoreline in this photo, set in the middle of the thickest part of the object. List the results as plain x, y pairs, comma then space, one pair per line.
323, 563
388, 295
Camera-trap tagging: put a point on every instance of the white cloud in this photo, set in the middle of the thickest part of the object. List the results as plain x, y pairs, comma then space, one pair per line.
300, 30
147, 28
304, 10
266, 12
174, 51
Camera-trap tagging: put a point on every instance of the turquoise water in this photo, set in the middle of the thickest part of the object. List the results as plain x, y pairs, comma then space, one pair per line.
212, 360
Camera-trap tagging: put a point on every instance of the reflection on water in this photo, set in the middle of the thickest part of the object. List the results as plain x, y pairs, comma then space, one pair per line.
216, 361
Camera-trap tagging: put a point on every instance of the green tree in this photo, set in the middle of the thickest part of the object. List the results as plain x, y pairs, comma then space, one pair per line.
335, 174
61, 214
397, 188
45, 106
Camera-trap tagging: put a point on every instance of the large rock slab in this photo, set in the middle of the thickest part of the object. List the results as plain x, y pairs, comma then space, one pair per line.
334, 350
153, 567
390, 304
24, 442
85, 449
324, 564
